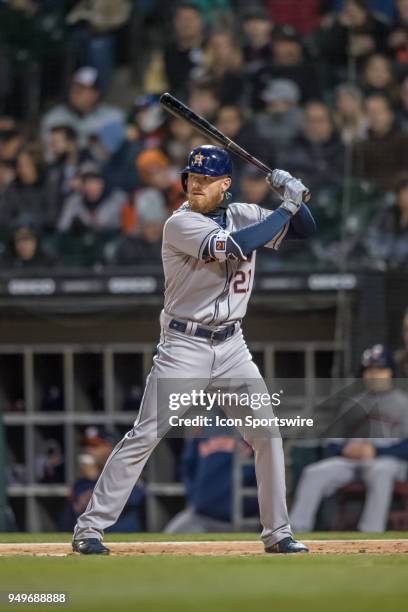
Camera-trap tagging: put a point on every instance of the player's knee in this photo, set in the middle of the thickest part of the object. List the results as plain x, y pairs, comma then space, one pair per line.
146, 438
384, 467
320, 469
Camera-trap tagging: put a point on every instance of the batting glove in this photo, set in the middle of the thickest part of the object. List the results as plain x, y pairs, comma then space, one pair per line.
278, 178
290, 189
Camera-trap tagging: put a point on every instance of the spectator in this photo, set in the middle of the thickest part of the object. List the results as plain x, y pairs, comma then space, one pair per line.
349, 117
398, 38
97, 446
257, 49
7, 123
401, 356
282, 120
161, 188
94, 24
402, 114
147, 122
178, 141
84, 110
380, 461
355, 34
289, 62
25, 251
215, 12
11, 142
49, 463
62, 172
98, 443
386, 8
207, 475
383, 155
116, 154
378, 77
232, 122
63, 147
317, 156
303, 16
145, 246
387, 238
204, 99
223, 66
81, 491
184, 55
33, 37
254, 188
7, 176
27, 194
95, 207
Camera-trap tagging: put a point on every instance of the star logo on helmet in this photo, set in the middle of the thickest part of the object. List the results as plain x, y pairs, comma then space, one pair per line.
198, 159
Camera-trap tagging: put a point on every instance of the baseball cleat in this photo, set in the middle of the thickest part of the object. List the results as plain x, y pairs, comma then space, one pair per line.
89, 546
287, 545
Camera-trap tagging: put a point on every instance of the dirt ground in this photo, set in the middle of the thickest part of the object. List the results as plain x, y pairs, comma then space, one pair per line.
211, 548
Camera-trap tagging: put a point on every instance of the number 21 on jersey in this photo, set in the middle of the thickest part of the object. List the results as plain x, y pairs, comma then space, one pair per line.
242, 280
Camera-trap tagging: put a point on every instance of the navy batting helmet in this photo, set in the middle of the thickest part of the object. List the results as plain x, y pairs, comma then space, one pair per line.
377, 356
207, 160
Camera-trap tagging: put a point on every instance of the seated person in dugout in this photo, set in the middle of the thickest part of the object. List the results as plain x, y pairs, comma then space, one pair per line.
97, 445
378, 461
207, 470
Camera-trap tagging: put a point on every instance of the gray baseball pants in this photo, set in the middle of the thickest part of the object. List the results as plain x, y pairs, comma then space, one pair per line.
323, 478
182, 356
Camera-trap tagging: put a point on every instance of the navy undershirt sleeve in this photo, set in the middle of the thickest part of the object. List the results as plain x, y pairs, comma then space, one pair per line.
333, 450
302, 225
258, 234
398, 450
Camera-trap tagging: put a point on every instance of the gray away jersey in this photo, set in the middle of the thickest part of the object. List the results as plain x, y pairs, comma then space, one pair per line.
212, 292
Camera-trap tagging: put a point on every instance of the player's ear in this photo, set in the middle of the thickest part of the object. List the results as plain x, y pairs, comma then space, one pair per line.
227, 183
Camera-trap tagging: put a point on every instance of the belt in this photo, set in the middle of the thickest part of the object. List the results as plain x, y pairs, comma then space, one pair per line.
204, 332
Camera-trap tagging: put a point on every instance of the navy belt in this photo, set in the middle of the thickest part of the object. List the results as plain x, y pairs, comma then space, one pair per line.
204, 332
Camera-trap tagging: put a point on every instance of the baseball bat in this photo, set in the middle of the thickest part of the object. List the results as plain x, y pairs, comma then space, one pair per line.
180, 110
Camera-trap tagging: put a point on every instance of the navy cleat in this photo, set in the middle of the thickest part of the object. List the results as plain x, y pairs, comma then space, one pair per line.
287, 545
89, 546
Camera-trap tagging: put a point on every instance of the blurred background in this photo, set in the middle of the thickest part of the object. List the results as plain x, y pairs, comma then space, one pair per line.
88, 175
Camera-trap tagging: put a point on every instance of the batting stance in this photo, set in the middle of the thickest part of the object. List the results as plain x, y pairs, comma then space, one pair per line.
208, 252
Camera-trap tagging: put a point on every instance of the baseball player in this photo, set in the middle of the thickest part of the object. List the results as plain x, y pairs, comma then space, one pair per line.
377, 418
209, 249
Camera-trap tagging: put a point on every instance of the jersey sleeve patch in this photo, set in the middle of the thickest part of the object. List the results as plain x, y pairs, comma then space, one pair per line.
221, 246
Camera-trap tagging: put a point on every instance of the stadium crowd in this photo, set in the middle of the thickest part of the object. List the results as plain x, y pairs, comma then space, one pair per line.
318, 87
